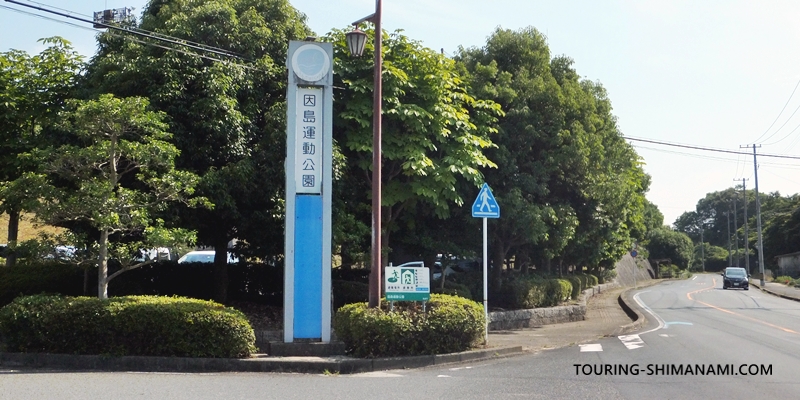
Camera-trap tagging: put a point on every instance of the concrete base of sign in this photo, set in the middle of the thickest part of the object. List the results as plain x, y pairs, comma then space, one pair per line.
280, 349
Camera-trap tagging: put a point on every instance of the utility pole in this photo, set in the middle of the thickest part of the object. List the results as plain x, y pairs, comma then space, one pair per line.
702, 250
758, 218
746, 238
735, 230
730, 254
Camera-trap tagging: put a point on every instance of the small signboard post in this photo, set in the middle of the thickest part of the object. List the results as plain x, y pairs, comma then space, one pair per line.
485, 206
407, 283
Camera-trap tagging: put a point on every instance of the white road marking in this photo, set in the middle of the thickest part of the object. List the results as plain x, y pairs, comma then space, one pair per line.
443, 376
377, 374
632, 341
591, 347
458, 368
661, 322
694, 277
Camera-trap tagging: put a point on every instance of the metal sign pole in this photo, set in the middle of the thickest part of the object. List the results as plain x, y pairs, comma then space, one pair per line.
485, 283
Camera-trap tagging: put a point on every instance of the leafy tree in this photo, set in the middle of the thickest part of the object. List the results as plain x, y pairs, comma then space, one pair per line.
665, 243
117, 176
782, 230
434, 131
227, 116
33, 90
566, 179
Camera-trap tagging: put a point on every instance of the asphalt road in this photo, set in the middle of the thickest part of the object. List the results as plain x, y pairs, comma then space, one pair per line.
694, 323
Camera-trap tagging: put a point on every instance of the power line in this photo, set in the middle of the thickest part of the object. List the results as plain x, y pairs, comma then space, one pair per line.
780, 113
161, 37
48, 18
126, 37
686, 146
712, 158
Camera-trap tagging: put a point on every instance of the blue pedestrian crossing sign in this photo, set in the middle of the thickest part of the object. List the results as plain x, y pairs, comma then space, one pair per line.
485, 205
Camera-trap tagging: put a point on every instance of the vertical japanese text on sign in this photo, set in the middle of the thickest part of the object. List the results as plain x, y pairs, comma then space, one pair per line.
308, 159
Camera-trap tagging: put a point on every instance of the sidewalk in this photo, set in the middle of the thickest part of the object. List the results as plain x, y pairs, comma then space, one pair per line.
605, 317
777, 289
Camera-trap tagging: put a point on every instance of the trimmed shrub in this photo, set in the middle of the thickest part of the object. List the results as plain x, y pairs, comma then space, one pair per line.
26, 279
451, 324
134, 325
534, 292
576, 286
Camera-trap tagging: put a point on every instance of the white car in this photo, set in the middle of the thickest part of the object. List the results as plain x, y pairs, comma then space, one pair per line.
204, 256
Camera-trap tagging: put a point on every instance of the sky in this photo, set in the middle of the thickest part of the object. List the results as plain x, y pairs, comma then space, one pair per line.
716, 74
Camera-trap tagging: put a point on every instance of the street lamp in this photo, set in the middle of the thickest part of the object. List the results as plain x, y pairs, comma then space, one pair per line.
355, 42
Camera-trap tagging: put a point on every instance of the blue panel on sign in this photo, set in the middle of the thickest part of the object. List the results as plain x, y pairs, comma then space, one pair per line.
308, 267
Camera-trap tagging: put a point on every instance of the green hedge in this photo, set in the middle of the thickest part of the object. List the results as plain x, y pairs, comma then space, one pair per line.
347, 292
534, 292
134, 325
451, 324
577, 286
44, 277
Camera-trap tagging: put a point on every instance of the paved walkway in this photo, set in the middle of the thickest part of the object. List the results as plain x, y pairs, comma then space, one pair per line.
777, 289
604, 317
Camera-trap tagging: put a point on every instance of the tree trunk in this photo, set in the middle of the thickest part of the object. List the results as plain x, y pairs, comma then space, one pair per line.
13, 232
221, 270
498, 255
102, 266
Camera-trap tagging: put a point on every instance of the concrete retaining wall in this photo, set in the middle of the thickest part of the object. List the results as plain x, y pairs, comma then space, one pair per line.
517, 319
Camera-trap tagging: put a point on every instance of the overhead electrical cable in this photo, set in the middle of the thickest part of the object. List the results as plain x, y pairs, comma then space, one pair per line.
686, 146
165, 38
780, 113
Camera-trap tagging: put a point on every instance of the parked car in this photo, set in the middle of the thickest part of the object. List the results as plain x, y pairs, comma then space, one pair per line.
734, 277
204, 256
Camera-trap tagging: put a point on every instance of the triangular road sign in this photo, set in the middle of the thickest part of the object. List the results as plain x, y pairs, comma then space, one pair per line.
485, 205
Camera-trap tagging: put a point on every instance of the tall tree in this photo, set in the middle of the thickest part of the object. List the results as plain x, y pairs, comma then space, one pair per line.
227, 116
566, 174
434, 131
33, 90
116, 177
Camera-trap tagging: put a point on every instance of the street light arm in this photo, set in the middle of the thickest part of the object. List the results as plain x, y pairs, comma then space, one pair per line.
368, 18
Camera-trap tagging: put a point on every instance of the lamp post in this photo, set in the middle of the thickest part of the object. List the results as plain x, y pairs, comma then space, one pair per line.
356, 40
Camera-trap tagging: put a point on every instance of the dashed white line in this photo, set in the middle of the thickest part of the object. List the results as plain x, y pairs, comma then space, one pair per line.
591, 347
632, 341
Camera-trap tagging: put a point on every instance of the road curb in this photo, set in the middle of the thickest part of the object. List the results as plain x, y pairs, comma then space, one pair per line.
774, 293
336, 365
626, 302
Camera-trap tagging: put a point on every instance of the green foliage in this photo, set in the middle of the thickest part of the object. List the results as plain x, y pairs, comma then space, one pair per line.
435, 132
607, 275
29, 278
566, 178
786, 280
665, 243
534, 292
136, 325
347, 292
451, 324
453, 289
577, 286
117, 175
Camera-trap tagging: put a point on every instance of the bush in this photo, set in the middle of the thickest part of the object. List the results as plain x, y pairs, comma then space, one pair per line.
576, 286
135, 325
786, 280
453, 289
346, 292
534, 292
42, 277
451, 324
607, 275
